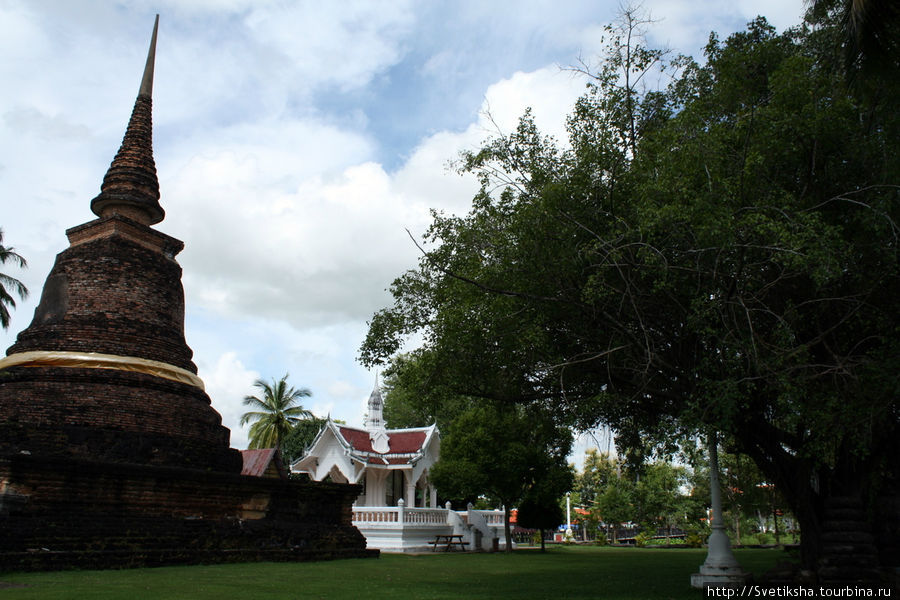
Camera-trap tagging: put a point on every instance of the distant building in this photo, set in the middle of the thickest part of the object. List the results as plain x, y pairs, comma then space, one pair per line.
390, 464
397, 509
261, 463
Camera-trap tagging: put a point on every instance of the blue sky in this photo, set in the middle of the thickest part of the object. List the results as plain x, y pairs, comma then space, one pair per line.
295, 143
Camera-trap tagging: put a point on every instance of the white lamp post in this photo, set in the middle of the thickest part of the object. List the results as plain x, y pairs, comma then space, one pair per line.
721, 568
568, 516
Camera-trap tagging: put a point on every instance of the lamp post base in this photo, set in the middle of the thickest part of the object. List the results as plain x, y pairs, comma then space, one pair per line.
727, 577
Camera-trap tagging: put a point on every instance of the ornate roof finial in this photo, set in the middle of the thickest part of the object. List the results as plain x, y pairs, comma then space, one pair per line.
130, 187
375, 424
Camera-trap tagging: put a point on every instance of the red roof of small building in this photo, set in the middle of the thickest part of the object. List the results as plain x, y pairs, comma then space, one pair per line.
257, 461
399, 442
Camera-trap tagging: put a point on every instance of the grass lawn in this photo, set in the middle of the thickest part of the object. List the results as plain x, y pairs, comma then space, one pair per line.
560, 574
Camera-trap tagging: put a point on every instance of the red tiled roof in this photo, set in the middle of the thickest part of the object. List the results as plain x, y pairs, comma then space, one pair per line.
256, 461
399, 442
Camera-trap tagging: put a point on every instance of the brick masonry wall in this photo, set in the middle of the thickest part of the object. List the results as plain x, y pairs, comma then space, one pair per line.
61, 513
111, 415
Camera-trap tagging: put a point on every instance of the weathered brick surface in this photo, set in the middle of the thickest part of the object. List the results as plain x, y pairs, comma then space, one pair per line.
130, 186
113, 295
111, 415
68, 513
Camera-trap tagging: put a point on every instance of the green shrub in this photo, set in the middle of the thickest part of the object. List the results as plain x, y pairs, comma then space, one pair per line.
693, 538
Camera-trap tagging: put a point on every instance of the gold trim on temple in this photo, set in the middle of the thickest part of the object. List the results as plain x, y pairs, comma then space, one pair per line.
95, 360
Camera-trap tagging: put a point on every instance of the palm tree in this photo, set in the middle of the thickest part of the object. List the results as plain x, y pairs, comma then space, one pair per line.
869, 29
9, 283
276, 413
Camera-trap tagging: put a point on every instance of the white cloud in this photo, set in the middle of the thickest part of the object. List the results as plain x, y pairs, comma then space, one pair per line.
549, 92
227, 382
344, 43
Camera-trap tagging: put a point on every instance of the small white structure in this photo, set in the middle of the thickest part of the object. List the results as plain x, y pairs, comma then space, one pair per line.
390, 464
397, 510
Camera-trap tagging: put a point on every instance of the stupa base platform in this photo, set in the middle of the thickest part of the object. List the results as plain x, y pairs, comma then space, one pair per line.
58, 513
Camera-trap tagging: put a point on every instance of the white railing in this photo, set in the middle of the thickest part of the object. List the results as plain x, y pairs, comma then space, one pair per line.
402, 529
494, 518
400, 514
376, 515
431, 516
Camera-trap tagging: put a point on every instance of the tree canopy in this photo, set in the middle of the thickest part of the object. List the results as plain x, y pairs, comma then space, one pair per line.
720, 253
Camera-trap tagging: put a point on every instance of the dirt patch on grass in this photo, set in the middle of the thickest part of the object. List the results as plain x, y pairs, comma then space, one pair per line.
4, 585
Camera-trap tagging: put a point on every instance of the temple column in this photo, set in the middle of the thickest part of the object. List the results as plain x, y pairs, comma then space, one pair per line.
410, 489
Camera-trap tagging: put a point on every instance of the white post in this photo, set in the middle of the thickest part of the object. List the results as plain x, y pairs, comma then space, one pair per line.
721, 568
410, 488
568, 516
401, 512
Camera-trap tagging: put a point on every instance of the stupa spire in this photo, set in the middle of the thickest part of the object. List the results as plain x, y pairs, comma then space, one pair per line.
147, 79
130, 187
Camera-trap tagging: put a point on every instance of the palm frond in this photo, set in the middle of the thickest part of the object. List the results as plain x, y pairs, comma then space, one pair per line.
277, 411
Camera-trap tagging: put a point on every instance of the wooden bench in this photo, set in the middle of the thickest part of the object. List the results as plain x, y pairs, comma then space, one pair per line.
449, 542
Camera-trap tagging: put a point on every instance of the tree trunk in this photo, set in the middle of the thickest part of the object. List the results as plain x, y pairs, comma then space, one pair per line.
836, 530
542, 540
775, 520
506, 528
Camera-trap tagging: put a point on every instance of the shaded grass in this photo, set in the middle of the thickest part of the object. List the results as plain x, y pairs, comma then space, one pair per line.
561, 573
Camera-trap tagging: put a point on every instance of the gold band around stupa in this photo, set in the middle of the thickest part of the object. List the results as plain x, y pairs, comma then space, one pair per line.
95, 360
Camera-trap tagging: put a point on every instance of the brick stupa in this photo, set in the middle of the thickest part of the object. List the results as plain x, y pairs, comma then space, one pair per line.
110, 451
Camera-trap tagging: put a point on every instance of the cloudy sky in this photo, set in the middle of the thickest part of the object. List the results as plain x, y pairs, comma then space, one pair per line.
296, 142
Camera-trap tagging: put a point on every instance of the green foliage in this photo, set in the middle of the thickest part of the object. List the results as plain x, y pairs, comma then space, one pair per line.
9, 283
598, 470
540, 509
615, 503
503, 452
722, 253
277, 412
300, 437
693, 538
415, 394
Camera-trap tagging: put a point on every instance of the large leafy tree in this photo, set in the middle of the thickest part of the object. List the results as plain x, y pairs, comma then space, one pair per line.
503, 452
275, 413
720, 254
9, 285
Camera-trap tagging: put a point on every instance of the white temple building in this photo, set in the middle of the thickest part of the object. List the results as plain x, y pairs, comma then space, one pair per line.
389, 464
397, 510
